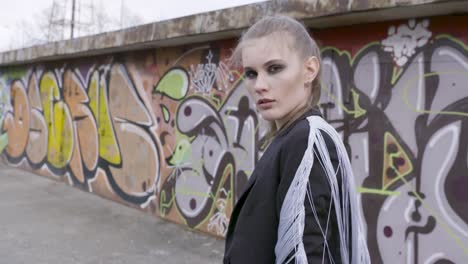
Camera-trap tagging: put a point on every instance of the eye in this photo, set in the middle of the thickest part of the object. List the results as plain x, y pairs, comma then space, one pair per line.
250, 74
275, 68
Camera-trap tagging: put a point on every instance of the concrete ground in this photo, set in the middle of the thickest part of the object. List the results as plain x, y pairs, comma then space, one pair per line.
43, 221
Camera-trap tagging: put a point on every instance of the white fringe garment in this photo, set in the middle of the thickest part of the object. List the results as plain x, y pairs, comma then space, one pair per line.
292, 215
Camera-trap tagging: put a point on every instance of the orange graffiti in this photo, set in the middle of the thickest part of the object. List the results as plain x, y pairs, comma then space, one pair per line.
85, 138
36, 149
140, 167
17, 123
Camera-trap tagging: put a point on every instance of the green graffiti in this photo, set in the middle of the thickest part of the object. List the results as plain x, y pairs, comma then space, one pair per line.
3, 142
174, 84
3, 137
181, 153
3, 100
166, 113
14, 74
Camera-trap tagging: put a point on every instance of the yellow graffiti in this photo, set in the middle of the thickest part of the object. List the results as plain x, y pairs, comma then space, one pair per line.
409, 84
361, 189
396, 73
228, 174
163, 205
108, 148
58, 120
453, 39
401, 171
93, 94
358, 111
437, 217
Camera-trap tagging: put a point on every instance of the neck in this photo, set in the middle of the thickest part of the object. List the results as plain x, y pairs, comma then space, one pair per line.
291, 117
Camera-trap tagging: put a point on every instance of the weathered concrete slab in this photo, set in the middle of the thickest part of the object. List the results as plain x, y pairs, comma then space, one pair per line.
47, 222
228, 23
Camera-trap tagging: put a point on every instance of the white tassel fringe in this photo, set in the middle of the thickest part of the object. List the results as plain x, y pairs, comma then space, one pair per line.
292, 215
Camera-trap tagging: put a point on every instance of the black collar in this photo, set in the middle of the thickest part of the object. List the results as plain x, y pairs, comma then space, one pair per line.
313, 111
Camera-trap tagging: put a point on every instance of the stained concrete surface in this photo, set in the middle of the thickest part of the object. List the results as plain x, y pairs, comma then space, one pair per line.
43, 221
227, 23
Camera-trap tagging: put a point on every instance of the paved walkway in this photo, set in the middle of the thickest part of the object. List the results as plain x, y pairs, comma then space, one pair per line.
43, 221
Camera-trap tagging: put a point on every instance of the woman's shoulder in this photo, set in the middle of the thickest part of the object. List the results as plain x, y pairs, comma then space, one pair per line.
299, 131
296, 139
298, 134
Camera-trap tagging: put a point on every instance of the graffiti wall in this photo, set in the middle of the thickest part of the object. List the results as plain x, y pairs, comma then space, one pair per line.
400, 99
173, 131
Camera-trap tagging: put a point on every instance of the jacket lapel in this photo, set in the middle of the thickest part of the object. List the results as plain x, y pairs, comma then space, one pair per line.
253, 179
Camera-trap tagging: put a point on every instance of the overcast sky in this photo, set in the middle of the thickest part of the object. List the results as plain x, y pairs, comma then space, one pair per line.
14, 12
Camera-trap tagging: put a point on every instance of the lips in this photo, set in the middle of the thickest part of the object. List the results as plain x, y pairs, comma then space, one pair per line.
265, 103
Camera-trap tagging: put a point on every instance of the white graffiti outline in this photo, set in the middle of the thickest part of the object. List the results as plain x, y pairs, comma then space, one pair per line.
433, 257
455, 130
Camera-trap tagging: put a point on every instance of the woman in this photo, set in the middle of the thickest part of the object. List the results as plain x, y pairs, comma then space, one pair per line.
299, 205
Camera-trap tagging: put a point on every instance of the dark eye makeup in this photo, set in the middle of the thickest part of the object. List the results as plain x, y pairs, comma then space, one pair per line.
250, 74
271, 68
275, 68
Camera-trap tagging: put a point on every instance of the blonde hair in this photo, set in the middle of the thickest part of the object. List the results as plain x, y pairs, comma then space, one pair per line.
302, 43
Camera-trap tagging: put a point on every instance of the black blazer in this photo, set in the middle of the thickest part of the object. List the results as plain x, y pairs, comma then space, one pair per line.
252, 232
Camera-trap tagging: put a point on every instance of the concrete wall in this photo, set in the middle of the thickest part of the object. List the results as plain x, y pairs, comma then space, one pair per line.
172, 130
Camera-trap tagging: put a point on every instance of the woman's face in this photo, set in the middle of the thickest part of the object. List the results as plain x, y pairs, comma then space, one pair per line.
275, 77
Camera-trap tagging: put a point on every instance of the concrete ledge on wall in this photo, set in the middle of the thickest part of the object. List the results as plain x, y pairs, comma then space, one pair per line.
228, 23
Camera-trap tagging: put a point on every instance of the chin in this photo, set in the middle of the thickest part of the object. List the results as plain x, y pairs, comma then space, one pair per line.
269, 115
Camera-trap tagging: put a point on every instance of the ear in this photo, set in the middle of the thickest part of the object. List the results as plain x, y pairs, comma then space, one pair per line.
311, 69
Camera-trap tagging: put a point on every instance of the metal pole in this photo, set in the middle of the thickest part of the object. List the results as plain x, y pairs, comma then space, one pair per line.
49, 30
121, 13
72, 19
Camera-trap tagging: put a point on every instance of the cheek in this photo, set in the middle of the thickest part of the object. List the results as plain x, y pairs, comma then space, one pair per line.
287, 87
296, 83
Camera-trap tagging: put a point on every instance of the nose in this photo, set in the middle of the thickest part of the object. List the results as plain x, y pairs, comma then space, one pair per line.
260, 85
